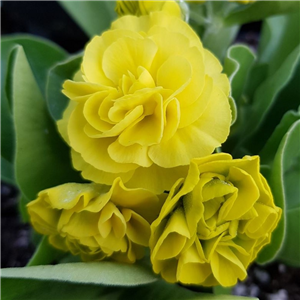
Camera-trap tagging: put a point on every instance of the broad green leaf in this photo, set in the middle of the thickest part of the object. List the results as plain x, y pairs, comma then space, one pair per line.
16, 289
56, 100
268, 153
41, 54
280, 36
260, 10
161, 290
7, 171
265, 96
238, 63
290, 252
93, 16
224, 37
42, 158
35, 49
46, 290
288, 146
104, 273
279, 40
45, 254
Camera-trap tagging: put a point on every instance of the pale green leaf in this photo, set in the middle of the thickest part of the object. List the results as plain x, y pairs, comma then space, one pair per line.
103, 273
280, 36
93, 16
260, 10
161, 290
224, 37
238, 62
288, 145
264, 97
46, 290
42, 158
56, 100
26, 289
290, 252
35, 49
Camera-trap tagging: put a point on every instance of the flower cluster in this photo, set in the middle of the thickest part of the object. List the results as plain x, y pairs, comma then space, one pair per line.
96, 221
147, 109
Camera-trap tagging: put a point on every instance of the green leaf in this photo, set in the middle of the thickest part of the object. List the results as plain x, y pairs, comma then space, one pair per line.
22, 208
265, 96
7, 171
260, 10
233, 110
220, 290
288, 146
45, 254
161, 290
93, 16
49, 290
35, 49
280, 36
56, 100
280, 77
224, 37
268, 153
290, 252
238, 62
104, 273
42, 158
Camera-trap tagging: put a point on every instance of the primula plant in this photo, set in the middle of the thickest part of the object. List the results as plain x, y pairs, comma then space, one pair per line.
161, 160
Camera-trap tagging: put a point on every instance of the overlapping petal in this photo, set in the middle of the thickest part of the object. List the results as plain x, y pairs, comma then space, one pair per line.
96, 221
149, 97
214, 223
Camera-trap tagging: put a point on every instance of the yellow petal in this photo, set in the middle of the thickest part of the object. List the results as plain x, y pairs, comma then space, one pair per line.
138, 229
173, 238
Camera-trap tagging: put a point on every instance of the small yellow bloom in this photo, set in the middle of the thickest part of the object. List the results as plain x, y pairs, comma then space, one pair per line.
149, 99
214, 223
140, 8
96, 221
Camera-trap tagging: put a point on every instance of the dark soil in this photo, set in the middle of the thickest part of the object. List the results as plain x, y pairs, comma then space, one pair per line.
273, 282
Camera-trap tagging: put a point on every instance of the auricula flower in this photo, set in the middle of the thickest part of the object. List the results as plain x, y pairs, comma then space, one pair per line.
96, 221
214, 223
148, 99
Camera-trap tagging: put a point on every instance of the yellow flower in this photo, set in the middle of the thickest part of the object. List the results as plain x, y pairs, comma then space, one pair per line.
148, 100
96, 221
140, 8
214, 223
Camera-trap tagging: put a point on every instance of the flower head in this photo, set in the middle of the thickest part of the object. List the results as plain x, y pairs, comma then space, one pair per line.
214, 223
96, 221
149, 99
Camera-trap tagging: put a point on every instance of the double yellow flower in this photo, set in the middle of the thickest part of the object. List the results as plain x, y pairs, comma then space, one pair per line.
214, 223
